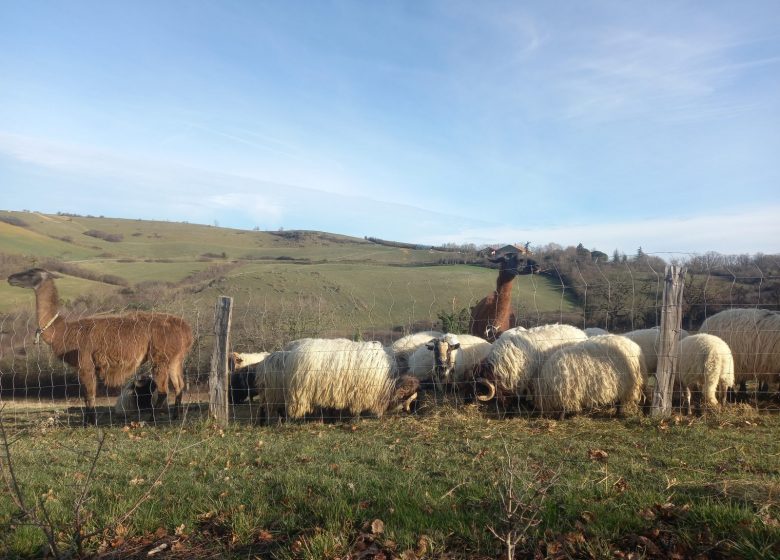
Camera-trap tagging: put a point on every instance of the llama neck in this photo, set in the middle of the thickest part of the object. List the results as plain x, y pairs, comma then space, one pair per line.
47, 304
503, 298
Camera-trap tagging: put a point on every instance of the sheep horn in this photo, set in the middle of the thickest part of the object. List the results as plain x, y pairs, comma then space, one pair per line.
408, 402
489, 385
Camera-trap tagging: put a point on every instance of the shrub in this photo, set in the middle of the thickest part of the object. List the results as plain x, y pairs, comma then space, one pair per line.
111, 237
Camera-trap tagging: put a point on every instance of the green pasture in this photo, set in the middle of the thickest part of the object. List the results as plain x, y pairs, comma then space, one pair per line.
429, 486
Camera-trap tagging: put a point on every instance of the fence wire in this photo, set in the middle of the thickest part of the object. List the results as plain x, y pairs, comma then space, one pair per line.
284, 303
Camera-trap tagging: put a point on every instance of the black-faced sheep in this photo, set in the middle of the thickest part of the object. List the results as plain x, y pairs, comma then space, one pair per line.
110, 347
599, 371
705, 362
137, 396
517, 357
753, 335
242, 376
338, 374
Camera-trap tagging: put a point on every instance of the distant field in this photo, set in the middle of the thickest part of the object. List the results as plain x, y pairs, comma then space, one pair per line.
354, 285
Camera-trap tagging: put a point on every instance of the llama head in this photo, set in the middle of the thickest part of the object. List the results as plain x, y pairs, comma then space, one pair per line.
32, 278
516, 265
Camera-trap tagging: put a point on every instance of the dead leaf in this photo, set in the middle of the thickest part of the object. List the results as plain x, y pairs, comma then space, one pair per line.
377, 526
265, 536
647, 513
597, 455
620, 485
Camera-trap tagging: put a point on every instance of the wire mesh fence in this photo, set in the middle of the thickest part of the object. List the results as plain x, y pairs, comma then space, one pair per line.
274, 377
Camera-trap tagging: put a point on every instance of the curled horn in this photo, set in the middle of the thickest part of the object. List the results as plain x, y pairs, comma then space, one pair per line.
489, 385
408, 402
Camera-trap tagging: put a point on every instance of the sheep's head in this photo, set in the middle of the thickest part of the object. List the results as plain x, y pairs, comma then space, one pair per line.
444, 355
515, 265
31, 278
404, 393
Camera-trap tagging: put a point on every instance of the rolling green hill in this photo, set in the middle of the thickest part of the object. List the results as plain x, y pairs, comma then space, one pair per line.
343, 284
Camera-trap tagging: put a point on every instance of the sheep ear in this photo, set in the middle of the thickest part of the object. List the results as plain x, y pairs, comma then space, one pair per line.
429, 345
455, 346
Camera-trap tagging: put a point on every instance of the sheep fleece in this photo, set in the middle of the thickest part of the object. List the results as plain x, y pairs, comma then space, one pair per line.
599, 371
754, 338
327, 373
518, 355
706, 361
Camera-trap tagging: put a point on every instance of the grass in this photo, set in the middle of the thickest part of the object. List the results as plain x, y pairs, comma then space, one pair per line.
311, 490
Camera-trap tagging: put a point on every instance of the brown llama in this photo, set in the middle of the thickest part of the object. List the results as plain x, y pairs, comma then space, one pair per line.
493, 315
111, 347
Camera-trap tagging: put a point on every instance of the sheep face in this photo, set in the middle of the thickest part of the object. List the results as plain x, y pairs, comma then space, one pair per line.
242, 385
444, 354
404, 394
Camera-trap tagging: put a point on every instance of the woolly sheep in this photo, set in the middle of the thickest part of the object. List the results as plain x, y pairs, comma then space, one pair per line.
449, 359
649, 340
331, 374
706, 362
599, 371
518, 355
595, 331
242, 377
407, 345
753, 335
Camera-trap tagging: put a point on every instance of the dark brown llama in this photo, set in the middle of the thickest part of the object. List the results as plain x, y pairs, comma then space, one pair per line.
110, 347
493, 314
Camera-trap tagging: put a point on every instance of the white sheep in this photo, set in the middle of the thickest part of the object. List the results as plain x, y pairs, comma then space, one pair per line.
595, 331
407, 345
337, 374
242, 377
518, 355
753, 335
599, 371
649, 340
705, 362
449, 359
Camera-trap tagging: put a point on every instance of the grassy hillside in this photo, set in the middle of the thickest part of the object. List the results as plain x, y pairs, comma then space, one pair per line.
355, 285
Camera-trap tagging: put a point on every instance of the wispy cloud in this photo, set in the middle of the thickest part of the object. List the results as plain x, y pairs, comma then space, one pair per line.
744, 231
630, 73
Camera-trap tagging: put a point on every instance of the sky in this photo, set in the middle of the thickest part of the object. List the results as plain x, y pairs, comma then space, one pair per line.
608, 123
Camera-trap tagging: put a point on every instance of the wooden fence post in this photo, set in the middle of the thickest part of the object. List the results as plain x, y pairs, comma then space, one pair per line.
218, 376
669, 338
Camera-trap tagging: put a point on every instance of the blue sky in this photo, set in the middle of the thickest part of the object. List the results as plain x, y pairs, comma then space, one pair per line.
612, 124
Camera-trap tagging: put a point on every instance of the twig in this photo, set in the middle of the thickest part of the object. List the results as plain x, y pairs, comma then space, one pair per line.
449, 493
78, 522
12, 483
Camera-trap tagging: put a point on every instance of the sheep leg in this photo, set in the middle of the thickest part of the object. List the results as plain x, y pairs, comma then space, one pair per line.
688, 400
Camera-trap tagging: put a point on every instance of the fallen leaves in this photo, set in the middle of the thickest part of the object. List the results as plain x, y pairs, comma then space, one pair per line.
597, 455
